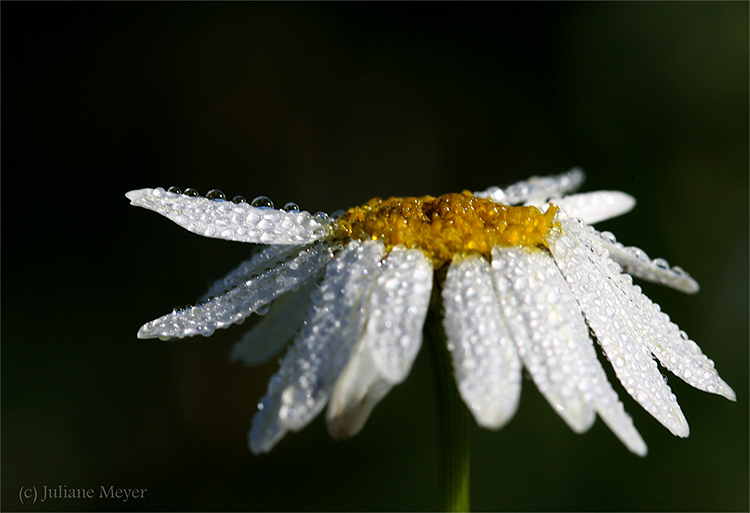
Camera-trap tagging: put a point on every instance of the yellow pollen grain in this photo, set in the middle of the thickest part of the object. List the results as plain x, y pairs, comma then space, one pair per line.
445, 226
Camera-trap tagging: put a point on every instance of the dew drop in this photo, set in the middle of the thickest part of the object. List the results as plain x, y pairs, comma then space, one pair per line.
291, 207
262, 202
216, 195
321, 216
263, 310
638, 254
177, 309
661, 263
174, 190
239, 199
191, 192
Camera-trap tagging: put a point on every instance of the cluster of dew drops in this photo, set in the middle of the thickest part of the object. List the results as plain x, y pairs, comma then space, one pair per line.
217, 195
258, 202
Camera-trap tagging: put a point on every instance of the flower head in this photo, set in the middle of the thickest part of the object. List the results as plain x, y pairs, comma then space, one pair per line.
524, 281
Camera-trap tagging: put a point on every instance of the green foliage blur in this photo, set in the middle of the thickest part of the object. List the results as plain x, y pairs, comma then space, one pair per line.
329, 105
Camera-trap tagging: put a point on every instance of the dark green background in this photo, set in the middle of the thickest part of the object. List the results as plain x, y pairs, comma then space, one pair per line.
329, 105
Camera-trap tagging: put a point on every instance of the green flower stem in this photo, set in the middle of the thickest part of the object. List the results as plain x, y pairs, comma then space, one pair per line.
452, 417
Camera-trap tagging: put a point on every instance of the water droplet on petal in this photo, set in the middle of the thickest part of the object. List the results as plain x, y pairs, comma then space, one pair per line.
239, 199
321, 216
262, 202
263, 310
638, 253
216, 194
191, 192
291, 207
174, 190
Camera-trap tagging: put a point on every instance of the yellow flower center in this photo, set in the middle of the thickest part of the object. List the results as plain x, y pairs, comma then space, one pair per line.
447, 225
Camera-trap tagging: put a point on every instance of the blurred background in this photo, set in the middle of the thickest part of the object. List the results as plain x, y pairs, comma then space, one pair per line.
329, 105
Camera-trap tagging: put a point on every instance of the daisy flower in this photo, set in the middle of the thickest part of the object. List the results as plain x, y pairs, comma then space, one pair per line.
521, 278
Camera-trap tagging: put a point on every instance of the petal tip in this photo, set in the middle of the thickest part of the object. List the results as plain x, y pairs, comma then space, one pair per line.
640, 449
726, 391
144, 332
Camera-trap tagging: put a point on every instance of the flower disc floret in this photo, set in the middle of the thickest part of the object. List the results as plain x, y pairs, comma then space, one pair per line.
446, 225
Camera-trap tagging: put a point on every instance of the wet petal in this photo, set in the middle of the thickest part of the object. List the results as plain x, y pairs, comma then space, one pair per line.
299, 391
594, 280
239, 302
536, 190
665, 340
636, 262
232, 221
549, 338
359, 388
397, 307
556, 347
264, 257
593, 207
485, 361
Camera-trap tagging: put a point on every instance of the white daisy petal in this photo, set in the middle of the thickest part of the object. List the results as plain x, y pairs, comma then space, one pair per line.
549, 335
485, 361
266, 431
398, 306
611, 410
265, 257
393, 335
281, 323
536, 190
320, 352
593, 207
240, 301
666, 341
568, 369
636, 262
232, 221
359, 388
594, 278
